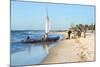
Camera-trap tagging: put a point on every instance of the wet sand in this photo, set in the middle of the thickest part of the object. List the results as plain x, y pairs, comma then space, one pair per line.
72, 50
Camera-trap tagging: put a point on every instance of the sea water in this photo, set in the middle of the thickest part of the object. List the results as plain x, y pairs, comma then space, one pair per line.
29, 54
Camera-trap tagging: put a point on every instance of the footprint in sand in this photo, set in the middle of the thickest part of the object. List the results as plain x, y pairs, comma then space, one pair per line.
83, 56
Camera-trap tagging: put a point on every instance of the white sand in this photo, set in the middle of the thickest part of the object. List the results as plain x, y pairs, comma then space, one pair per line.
73, 50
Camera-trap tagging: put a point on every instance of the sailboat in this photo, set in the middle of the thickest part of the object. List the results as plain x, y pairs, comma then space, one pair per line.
46, 37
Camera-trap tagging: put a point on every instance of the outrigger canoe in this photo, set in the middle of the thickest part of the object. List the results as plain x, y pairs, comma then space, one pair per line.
49, 39
47, 30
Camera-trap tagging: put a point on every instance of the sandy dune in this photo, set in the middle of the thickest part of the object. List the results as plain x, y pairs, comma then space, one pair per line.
73, 50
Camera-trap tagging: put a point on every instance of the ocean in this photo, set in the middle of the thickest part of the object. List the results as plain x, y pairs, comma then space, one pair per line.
32, 53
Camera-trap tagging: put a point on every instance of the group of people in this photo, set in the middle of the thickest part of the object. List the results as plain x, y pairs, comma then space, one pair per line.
75, 33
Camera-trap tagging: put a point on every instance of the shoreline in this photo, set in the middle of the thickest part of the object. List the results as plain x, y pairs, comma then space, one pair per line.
72, 50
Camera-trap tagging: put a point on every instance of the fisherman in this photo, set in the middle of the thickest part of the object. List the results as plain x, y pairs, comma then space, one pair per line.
84, 33
43, 36
78, 33
28, 37
69, 33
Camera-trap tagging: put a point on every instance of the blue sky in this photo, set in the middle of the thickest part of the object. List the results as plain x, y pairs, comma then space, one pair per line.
32, 16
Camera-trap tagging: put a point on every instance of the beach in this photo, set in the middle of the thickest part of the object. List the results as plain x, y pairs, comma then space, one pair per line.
72, 50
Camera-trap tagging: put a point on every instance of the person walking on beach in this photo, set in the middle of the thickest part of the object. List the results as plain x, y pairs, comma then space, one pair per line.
69, 33
78, 33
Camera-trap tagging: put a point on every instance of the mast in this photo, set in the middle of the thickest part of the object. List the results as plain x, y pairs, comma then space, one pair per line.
47, 24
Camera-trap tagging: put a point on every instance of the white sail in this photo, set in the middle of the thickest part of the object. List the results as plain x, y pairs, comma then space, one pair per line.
47, 25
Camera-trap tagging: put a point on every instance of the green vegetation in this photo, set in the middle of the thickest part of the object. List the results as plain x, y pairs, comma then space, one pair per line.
86, 26
79, 28
83, 27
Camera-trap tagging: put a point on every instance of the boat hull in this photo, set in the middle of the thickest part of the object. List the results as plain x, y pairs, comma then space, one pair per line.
49, 39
